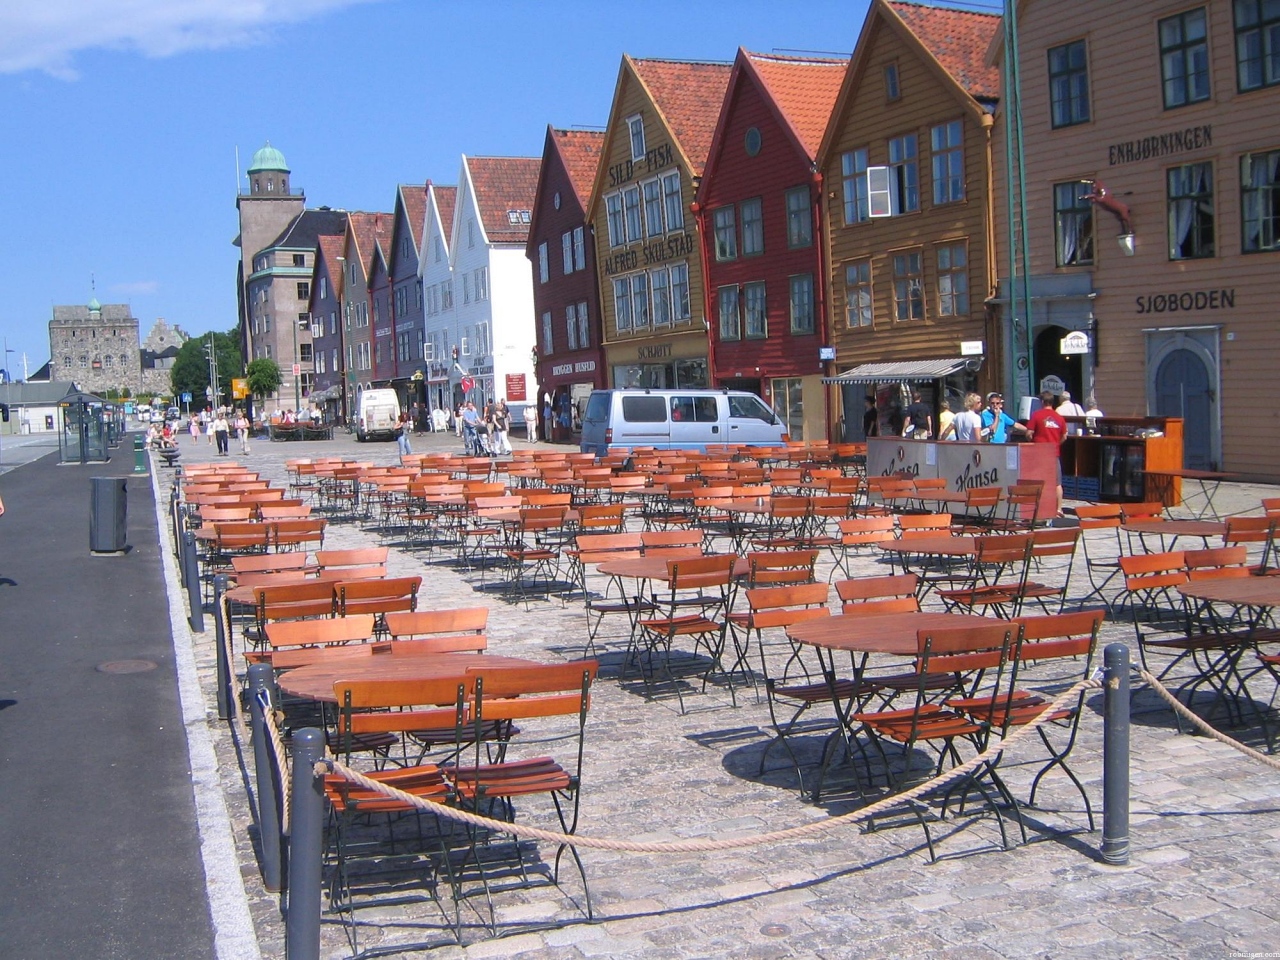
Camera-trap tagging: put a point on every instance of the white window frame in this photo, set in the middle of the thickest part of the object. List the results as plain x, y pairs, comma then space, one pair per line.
544, 266
752, 229
854, 170
571, 326
579, 249
631, 213
616, 221
673, 201
635, 135
622, 303
729, 312
724, 229
953, 281
799, 218
584, 326
652, 207
566, 252
640, 309
660, 292
681, 311
946, 142
801, 282
755, 311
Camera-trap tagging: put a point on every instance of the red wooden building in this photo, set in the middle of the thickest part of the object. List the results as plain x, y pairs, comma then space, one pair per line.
758, 213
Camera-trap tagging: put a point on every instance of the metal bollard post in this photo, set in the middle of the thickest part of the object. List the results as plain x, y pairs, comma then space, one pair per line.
222, 629
192, 577
139, 455
306, 838
1115, 756
260, 701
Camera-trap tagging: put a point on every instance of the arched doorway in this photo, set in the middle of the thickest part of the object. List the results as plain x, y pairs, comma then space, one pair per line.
1049, 360
1183, 389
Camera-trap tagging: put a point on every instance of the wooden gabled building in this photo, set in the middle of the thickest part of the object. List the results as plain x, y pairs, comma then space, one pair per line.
906, 168
759, 207
649, 257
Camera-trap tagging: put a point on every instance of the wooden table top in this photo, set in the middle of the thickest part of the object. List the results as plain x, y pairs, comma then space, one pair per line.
315, 680
892, 633
655, 568
945, 546
1178, 528
1242, 591
1188, 474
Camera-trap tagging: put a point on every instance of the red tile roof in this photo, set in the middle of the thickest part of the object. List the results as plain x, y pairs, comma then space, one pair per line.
505, 186
580, 150
689, 94
959, 40
804, 89
367, 229
330, 250
414, 198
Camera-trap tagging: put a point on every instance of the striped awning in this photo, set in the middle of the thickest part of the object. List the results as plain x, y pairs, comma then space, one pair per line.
905, 371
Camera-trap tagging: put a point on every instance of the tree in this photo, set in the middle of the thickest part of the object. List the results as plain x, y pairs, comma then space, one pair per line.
264, 376
190, 373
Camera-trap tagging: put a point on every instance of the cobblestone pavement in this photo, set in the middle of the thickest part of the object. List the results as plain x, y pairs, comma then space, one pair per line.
1205, 824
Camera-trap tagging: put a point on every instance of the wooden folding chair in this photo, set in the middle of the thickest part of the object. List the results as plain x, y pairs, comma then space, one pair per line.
379, 597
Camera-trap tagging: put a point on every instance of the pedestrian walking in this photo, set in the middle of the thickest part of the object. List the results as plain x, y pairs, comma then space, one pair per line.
1047, 426
242, 431
919, 418
501, 428
531, 422
193, 427
404, 427
209, 429
222, 433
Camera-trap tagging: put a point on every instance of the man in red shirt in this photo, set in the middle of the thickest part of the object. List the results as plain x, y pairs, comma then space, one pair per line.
1047, 426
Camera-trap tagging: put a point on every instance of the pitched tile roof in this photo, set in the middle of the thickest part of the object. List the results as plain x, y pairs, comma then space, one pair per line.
367, 229
505, 187
689, 94
414, 198
580, 150
331, 250
804, 89
446, 200
959, 40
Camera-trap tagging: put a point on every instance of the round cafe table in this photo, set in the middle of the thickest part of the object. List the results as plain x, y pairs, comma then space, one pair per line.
655, 568
315, 680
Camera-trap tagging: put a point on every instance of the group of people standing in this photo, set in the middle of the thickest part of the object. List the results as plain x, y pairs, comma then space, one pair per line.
217, 426
484, 432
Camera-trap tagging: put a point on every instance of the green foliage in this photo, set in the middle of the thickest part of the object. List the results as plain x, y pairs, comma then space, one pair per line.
264, 376
190, 373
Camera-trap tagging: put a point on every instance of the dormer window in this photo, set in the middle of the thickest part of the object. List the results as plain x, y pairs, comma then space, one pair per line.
635, 127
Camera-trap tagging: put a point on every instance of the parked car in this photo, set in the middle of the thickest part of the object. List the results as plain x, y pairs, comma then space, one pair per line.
676, 420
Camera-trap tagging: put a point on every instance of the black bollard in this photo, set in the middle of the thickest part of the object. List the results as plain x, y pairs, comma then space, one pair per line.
191, 575
222, 669
306, 839
264, 765
1115, 756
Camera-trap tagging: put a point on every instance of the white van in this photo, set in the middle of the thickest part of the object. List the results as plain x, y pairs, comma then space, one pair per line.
378, 415
676, 420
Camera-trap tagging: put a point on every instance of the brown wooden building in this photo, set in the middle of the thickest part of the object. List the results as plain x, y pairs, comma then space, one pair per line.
648, 254
759, 206
906, 171
1165, 114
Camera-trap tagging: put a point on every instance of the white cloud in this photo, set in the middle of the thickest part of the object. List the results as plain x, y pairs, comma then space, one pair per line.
47, 34
138, 288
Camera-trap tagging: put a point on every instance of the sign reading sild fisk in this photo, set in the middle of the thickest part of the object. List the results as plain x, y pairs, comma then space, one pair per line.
653, 160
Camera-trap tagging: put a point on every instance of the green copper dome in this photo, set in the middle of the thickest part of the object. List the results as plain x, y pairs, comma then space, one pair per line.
268, 158
94, 305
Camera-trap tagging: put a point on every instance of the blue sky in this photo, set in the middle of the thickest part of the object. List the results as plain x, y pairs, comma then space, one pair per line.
125, 115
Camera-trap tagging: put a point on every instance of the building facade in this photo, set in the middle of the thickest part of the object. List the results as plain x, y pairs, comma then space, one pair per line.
649, 257
1152, 198
759, 208
326, 309
159, 350
906, 171
566, 297
96, 346
406, 293
435, 271
364, 231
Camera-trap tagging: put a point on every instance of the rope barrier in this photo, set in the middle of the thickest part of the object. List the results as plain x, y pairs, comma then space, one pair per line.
1194, 720
700, 846
272, 720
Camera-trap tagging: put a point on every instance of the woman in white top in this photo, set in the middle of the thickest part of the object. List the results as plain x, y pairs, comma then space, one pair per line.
967, 425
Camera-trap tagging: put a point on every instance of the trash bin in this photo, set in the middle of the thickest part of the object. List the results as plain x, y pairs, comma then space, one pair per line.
108, 515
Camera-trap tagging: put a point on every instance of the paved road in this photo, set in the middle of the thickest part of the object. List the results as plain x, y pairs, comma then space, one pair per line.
17, 449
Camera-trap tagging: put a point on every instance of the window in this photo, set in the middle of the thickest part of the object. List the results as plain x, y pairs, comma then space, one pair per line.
1184, 58
417, 292
446, 295
324, 288
858, 293
799, 220
640, 300
644, 409
438, 245
571, 325
1190, 211
730, 317
566, 252
266, 324
304, 353
377, 352
752, 227
584, 326
482, 283
304, 290
107, 360
631, 207
671, 197
904, 177
334, 367
802, 304
482, 338
908, 286
680, 292
1073, 217
653, 208
404, 247
948, 162
726, 233
1257, 43
953, 280
320, 366
617, 233
1260, 200
635, 129
544, 267
579, 249
622, 302
853, 167
891, 88
1068, 84
754, 311
471, 233
660, 286
747, 407
299, 259
333, 322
